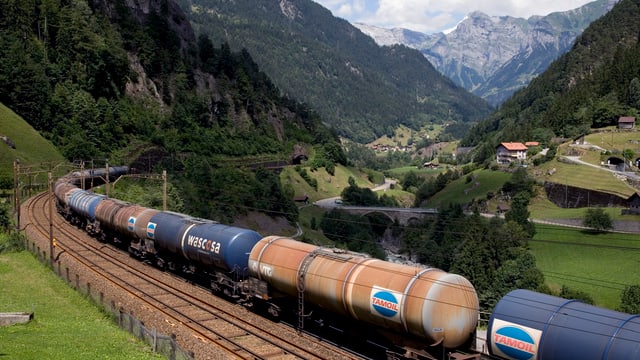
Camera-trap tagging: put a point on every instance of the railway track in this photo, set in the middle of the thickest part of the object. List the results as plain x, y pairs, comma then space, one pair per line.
212, 327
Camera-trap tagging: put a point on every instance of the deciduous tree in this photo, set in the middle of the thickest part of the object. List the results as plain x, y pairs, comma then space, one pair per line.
597, 220
630, 300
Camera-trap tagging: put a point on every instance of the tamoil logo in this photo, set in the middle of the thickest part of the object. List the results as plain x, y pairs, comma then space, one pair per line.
151, 230
385, 303
515, 343
131, 224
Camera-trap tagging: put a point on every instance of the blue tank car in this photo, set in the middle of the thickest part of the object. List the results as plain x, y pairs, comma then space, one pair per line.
203, 242
85, 203
222, 246
531, 325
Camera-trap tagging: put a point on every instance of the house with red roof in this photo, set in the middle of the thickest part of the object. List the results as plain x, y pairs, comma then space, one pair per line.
508, 152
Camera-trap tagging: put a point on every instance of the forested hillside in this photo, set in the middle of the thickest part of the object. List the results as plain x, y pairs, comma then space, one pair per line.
104, 80
363, 90
592, 85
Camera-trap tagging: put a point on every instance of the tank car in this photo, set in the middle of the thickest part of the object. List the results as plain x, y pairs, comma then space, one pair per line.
530, 325
106, 224
196, 245
62, 191
84, 204
419, 307
95, 176
131, 223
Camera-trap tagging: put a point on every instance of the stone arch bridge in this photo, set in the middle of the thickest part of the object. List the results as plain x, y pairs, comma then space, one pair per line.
405, 216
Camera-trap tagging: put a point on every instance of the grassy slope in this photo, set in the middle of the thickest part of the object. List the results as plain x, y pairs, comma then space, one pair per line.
65, 325
328, 186
589, 177
31, 148
482, 182
598, 264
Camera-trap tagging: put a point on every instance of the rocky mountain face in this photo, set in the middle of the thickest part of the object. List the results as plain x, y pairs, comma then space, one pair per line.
495, 56
360, 89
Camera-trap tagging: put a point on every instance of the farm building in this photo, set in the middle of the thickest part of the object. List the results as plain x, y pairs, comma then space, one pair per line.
301, 198
626, 122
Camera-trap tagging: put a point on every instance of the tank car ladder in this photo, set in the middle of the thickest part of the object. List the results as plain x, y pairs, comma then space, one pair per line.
302, 273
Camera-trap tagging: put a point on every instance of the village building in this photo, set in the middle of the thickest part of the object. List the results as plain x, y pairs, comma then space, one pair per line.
502, 208
626, 122
508, 152
301, 198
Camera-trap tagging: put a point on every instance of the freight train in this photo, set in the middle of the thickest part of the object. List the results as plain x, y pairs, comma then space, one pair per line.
421, 311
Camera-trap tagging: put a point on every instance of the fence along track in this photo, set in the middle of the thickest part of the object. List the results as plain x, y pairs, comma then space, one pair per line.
208, 319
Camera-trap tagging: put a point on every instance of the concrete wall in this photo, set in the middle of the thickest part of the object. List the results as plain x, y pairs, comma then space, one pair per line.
566, 196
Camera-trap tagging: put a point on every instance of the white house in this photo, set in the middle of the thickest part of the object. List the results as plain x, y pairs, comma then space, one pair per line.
508, 152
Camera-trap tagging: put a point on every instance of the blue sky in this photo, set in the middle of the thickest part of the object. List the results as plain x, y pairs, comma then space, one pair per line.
431, 16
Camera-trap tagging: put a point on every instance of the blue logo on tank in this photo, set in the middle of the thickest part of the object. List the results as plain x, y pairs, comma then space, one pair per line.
385, 303
131, 223
515, 343
151, 230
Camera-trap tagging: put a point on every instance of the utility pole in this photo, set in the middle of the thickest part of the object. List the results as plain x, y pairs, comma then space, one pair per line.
51, 220
164, 190
107, 179
82, 180
16, 192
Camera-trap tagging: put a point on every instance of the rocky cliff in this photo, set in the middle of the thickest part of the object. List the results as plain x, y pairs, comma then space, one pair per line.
495, 56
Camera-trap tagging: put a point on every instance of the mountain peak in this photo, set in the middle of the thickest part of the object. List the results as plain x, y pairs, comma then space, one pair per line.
493, 56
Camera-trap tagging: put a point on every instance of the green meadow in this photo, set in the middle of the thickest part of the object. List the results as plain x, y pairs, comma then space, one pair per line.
599, 264
65, 325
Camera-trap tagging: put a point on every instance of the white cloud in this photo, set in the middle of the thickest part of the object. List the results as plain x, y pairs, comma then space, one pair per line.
437, 15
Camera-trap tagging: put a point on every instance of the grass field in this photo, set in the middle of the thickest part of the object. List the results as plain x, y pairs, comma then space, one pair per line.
403, 134
463, 191
542, 208
582, 176
31, 149
402, 171
328, 185
598, 264
65, 324
612, 139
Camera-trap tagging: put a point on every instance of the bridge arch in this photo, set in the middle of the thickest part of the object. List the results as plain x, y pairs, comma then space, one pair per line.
403, 216
379, 220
